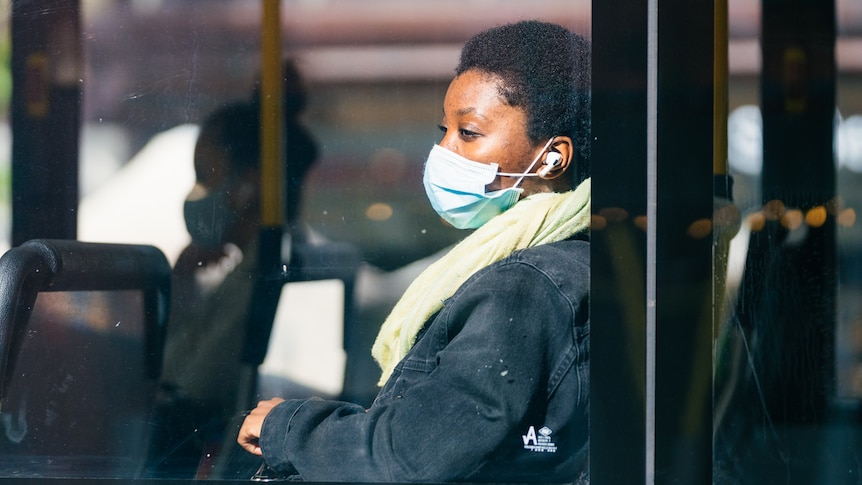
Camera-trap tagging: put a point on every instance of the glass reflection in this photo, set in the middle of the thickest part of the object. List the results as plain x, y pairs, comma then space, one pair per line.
787, 347
80, 397
154, 71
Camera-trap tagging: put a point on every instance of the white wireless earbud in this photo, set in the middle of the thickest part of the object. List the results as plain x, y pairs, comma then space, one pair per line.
551, 162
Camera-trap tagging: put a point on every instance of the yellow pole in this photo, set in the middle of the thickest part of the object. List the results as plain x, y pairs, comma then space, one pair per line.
272, 178
701, 392
261, 309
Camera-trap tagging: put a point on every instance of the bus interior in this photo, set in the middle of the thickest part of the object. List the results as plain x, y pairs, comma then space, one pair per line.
726, 344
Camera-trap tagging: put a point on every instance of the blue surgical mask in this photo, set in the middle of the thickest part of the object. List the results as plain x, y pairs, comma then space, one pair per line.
209, 218
455, 186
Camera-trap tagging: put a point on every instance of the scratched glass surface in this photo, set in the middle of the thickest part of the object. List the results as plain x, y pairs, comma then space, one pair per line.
788, 321
79, 393
788, 346
150, 72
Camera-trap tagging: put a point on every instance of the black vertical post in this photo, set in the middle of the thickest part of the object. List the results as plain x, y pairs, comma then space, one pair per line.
46, 94
684, 208
618, 254
632, 441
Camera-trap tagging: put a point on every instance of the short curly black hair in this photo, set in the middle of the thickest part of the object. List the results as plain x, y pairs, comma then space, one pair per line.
543, 68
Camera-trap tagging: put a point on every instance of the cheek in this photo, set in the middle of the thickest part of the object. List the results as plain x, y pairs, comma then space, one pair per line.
513, 148
500, 148
513, 157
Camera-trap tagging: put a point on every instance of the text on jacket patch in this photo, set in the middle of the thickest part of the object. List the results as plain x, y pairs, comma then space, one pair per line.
540, 442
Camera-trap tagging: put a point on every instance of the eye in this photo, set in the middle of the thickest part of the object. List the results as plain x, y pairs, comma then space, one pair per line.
467, 133
464, 133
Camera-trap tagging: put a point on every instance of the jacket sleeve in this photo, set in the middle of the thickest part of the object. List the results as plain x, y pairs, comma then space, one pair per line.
474, 376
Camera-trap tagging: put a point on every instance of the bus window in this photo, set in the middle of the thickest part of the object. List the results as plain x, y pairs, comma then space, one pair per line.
787, 346
169, 92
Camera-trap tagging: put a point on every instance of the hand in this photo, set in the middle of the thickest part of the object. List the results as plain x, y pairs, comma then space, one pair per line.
249, 433
195, 257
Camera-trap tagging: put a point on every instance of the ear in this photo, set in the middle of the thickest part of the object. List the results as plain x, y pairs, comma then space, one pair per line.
564, 146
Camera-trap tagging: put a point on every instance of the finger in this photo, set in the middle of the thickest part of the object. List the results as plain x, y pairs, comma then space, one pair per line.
249, 433
249, 442
252, 448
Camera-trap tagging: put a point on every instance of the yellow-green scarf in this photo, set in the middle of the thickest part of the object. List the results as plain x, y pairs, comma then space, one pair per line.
538, 219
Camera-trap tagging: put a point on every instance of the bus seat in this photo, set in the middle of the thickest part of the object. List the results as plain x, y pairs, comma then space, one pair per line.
81, 328
322, 263
296, 327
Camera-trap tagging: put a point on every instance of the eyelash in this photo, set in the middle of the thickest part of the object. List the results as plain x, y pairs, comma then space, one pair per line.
462, 132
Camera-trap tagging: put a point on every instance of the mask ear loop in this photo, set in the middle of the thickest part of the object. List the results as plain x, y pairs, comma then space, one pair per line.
530, 168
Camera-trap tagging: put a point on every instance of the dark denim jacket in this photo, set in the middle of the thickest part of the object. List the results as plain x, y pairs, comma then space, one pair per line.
495, 389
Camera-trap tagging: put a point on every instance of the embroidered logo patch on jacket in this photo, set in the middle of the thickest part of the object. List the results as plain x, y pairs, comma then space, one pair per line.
540, 442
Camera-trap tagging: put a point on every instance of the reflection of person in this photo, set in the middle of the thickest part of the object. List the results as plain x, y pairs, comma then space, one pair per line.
214, 276
221, 210
221, 214
486, 357
212, 284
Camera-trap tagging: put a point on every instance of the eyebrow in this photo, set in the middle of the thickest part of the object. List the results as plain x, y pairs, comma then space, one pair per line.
466, 111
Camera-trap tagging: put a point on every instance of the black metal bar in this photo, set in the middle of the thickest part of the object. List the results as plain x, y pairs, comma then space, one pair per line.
618, 245
46, 105
680, 449
684, 242
63, 265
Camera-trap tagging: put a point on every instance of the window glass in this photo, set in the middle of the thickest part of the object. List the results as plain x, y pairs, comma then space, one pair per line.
787, 335
848, 159
362, 98
80, 390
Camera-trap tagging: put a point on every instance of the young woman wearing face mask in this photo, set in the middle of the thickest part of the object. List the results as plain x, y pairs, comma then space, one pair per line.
485, 358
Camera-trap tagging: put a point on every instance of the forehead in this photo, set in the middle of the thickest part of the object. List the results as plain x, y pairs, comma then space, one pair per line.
477, 93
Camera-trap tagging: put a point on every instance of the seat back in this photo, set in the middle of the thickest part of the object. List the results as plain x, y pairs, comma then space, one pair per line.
81, 329
292, 323
314, 319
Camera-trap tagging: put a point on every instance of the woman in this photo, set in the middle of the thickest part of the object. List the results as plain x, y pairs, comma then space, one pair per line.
486, 357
